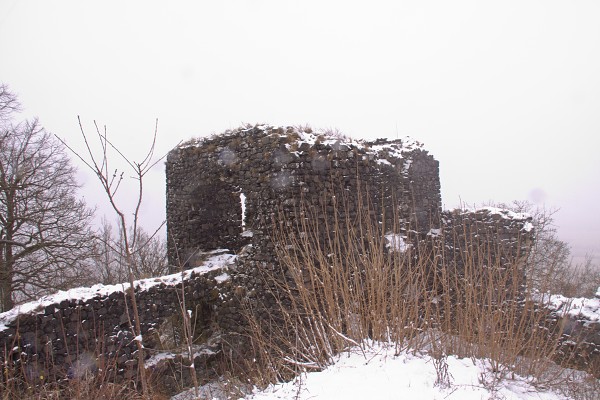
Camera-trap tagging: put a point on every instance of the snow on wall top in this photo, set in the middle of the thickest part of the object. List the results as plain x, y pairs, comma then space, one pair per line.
575, 307
216, 261
299, 135
503, 213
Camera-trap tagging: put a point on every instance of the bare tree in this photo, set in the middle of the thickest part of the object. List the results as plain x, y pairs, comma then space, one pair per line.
550, 263
44, 227
109, 265
130, 241
9, 104
580, 280
151, 257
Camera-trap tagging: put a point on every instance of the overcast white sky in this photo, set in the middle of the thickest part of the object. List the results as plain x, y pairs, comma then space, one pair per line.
505, 94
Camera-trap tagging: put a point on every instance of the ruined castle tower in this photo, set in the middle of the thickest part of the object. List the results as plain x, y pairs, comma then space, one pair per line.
231, 190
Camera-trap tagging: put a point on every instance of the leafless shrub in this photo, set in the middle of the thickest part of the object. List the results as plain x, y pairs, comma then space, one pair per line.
551, 268
579, 280
350, 289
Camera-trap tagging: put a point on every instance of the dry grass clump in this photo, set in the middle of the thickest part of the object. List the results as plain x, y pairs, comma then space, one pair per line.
87, 378
346, 285
82, 388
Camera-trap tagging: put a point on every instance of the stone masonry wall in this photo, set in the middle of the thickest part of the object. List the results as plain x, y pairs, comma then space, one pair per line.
488, 237
72, 334
276, 169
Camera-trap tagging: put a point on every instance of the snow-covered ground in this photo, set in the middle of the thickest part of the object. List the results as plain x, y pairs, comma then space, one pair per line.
379, 374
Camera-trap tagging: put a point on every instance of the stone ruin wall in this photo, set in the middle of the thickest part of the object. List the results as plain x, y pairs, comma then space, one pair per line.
280, 169
71, 337
277, 170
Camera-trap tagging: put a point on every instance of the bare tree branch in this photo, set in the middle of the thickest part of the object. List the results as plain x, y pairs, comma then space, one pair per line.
129, 232
9, 104
44, 228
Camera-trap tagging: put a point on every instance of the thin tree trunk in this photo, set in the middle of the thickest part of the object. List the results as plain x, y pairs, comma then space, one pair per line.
137, 327
6, 279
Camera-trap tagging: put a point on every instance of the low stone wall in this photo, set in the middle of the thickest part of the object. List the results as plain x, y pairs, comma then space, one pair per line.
56, 339
579, 321
487, 238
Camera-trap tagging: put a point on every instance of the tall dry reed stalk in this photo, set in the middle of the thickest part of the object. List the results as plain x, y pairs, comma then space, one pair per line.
341, 283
